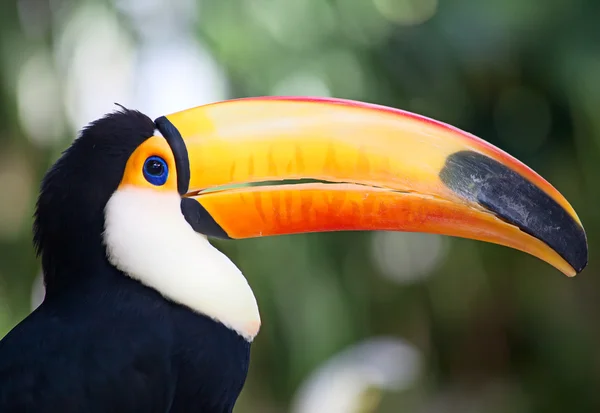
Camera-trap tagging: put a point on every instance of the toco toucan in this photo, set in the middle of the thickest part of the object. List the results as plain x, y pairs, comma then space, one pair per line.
143, 314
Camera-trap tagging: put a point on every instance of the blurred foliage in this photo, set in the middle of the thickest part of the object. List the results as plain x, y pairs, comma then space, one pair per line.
497, 330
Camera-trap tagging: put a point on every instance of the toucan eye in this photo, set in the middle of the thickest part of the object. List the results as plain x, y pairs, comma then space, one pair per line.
156, 170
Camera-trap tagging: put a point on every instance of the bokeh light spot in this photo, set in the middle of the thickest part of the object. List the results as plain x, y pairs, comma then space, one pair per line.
342, 383
40, 101
362, 23
295, 24
302, 83
96, 56
345, 73
191, 78
407, 12
406, 257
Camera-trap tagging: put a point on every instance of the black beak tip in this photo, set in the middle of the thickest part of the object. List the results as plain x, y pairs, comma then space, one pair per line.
513, 198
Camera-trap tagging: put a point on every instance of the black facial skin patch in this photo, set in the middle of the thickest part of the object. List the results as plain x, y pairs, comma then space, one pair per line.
200, 220
513, 198
175, 141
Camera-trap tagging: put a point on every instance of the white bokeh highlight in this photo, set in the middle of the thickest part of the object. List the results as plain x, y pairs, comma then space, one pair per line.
407, 257
339, 385
95, 57
39, 100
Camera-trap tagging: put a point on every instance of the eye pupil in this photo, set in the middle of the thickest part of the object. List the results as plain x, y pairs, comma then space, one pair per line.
156, 170
155, 167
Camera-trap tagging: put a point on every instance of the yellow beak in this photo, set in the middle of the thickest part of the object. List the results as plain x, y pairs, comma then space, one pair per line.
378, 169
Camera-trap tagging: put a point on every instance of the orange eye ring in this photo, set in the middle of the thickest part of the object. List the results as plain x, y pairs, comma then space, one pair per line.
151, 166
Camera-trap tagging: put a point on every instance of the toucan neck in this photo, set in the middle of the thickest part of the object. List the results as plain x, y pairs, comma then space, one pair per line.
69, 263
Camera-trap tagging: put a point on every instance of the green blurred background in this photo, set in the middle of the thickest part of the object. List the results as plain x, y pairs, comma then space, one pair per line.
352, 322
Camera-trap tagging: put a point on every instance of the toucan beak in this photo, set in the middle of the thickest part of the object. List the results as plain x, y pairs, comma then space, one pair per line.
377, 169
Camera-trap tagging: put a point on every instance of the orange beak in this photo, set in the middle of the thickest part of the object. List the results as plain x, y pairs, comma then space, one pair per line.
377, 169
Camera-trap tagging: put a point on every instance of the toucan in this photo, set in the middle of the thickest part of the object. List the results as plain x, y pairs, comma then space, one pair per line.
143, 314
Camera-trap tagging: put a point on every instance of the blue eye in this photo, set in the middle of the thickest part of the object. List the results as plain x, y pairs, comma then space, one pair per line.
156, 170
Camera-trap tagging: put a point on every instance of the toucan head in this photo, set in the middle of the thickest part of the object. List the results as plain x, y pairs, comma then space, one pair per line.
143, 195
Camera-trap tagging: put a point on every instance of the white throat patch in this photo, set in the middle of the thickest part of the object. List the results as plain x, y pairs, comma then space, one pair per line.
148, 238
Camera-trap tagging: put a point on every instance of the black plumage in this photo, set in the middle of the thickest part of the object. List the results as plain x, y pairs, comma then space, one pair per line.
101, 341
